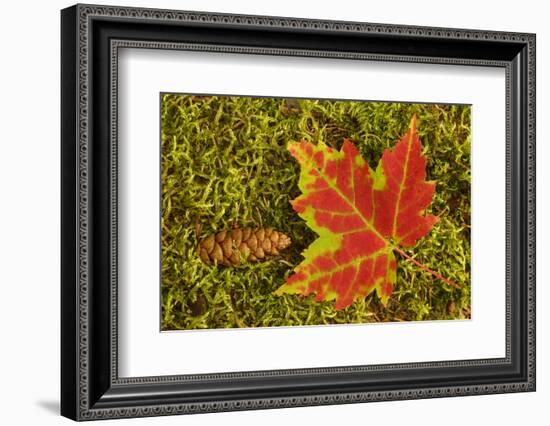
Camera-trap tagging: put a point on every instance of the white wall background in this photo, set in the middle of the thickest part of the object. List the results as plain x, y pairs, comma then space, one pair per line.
29, 213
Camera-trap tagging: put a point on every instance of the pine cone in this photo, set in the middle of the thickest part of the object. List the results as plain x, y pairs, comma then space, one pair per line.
239, 245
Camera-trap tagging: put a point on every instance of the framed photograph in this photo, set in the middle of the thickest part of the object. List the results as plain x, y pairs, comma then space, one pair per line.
263, 212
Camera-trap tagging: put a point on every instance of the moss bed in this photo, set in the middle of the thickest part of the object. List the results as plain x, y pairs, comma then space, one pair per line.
225, 163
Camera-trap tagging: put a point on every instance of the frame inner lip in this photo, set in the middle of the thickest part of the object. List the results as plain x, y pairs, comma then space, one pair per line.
115, 44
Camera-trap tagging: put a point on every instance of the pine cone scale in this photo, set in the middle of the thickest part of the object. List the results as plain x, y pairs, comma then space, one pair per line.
208, 244
237, 235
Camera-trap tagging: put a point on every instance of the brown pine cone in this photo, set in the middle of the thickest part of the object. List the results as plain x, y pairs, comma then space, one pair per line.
239, 245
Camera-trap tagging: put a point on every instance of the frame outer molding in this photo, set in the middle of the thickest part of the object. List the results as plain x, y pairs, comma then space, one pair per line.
75, 401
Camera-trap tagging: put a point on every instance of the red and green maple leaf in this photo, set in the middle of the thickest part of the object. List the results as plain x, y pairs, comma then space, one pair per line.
361, 217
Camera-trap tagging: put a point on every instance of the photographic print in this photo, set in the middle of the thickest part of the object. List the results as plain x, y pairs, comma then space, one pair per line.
290, 212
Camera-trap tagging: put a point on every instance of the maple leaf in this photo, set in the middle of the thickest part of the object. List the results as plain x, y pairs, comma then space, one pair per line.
361, 217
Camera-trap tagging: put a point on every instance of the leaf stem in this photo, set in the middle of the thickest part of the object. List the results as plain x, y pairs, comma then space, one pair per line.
425, 268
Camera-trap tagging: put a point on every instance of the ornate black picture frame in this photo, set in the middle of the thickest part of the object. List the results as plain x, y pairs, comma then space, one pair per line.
91, 387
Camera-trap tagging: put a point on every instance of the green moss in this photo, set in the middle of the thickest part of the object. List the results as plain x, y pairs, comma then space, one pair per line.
224, 162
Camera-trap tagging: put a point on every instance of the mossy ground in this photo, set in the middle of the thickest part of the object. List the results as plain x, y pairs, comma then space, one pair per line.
225, 163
